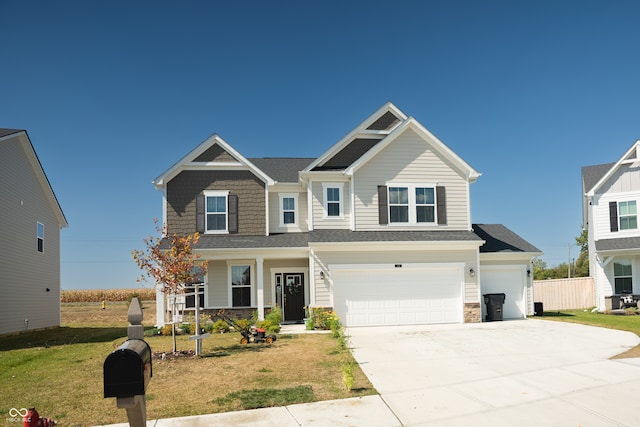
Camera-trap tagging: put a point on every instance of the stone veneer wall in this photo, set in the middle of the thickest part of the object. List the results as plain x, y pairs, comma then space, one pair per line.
472, 312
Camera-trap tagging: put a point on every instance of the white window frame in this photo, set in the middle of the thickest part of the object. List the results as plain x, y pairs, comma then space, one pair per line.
325, 204
281, 198
622, 261
252, 278
216, 193
620, 216
40, 236
413, 216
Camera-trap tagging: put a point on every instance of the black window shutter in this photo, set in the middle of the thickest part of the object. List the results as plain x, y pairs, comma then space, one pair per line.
200, 227
441, 205
383, 210
613, 215
233, 213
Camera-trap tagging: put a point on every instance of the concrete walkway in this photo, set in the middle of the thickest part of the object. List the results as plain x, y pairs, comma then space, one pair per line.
517, 373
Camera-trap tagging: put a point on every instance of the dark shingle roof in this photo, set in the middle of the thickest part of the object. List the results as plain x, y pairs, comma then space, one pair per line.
282, 169
5, 132
618, 244
500, 239
592, 174
329, 236
285, 240
349, 154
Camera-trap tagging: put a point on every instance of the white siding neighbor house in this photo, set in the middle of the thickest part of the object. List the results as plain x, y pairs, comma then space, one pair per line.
611, 196
29, 238
377, 228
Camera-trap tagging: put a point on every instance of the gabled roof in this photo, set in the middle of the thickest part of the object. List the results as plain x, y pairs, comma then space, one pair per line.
374, 127
632, 155
499, 238
201, 158
374, 134
38, 170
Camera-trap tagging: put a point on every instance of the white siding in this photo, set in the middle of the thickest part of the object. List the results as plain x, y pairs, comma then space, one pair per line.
600, 207
622, 186
301, 211
409, 159
26, 273
320, 220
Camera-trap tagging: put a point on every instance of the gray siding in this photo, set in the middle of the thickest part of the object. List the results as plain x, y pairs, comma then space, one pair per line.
25, 272
409, 159
183, 189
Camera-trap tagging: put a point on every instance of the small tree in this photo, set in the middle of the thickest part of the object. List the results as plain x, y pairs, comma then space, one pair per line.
170, 262
582, 264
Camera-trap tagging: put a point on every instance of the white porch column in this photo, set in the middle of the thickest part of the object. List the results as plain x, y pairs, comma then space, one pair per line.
260, 287
160, 307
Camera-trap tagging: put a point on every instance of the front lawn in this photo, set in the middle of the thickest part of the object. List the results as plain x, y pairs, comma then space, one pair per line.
60, 371
630, 323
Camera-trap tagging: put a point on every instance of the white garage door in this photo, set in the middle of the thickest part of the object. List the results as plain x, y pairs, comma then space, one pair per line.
406, 294
510, 281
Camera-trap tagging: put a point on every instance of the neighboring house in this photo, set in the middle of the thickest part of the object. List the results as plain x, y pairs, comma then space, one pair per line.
611, 193
377, 228
29, 238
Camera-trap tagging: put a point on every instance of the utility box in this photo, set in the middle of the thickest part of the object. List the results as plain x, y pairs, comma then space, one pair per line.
494, 303
128, 369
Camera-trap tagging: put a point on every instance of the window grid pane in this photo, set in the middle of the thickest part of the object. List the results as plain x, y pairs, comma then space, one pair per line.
628, 215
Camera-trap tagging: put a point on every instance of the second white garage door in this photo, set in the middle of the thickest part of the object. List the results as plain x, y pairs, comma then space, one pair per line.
400, 294
508, 280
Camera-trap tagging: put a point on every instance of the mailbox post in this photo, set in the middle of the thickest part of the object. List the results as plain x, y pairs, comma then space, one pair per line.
127, 370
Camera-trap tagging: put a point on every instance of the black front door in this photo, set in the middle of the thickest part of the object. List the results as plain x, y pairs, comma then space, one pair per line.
293, 301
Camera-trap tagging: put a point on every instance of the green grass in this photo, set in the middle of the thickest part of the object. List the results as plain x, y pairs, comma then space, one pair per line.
59, 371
629, 322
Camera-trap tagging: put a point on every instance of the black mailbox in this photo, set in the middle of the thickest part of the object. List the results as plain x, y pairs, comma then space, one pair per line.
127, 370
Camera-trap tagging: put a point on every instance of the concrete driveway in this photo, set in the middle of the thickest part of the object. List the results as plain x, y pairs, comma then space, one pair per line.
513, 373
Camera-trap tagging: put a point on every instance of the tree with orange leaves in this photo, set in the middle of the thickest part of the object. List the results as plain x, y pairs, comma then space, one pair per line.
171, 263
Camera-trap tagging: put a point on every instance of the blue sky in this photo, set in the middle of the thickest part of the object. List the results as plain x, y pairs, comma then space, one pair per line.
113, 93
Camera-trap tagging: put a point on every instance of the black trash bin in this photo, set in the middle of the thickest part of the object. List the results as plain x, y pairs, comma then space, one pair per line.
494, 304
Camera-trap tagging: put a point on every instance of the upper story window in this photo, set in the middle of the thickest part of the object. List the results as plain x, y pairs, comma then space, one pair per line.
628, 215
412, 205
216, 211
333, 200
623, 215
40, 236
288, 209
623, 276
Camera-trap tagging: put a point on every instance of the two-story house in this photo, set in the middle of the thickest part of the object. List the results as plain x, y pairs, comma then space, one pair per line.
377, 228
611, 193
29, 238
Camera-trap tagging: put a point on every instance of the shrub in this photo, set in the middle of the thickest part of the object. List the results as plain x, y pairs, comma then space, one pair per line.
243, 324
219, 326
347, 374
166, 330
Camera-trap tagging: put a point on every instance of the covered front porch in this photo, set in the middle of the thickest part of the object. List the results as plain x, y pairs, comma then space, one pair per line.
244, 282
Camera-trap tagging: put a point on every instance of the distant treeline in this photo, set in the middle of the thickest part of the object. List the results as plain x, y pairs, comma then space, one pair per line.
98, 295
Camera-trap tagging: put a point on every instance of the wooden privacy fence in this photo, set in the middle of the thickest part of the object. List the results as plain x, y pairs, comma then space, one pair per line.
565, 294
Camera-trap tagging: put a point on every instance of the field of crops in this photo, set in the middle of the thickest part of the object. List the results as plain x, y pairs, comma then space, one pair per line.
97, 295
